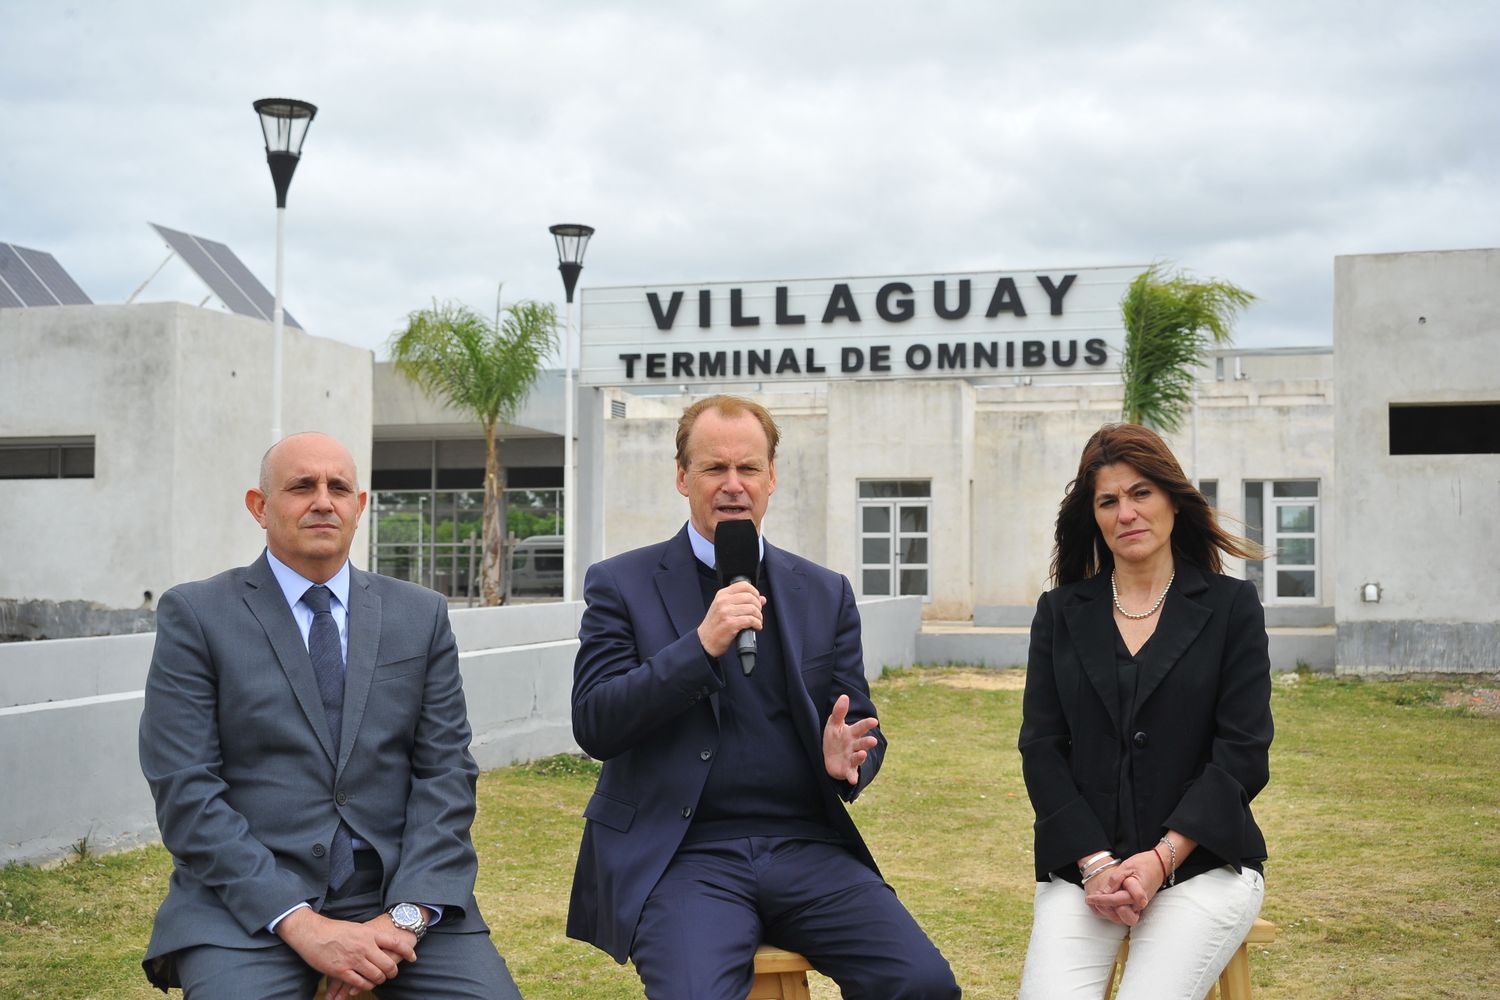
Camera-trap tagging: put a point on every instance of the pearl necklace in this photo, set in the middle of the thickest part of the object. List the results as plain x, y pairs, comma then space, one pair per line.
1115, 592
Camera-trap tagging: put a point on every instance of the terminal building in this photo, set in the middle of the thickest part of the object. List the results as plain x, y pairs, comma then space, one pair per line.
929, 426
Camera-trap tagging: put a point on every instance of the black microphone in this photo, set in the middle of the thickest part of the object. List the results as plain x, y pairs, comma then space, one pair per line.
737, 557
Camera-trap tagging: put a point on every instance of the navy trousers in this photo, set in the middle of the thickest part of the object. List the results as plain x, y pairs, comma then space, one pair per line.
718, 901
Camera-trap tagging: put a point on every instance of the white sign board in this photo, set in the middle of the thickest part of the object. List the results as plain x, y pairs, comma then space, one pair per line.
1051, 322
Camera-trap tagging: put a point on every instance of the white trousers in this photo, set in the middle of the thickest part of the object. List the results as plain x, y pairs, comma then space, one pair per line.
1186, 936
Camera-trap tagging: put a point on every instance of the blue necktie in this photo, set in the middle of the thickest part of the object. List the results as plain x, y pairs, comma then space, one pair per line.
326, 651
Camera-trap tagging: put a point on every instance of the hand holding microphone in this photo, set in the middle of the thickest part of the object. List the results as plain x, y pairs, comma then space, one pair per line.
737, 606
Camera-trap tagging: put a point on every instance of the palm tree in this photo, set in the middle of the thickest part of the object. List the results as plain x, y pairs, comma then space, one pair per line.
486, 369
1170, 323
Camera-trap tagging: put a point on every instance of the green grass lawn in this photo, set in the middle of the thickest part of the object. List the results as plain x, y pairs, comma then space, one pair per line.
1383, 816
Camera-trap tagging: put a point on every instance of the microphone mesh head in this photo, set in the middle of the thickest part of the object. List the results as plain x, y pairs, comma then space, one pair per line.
736, 550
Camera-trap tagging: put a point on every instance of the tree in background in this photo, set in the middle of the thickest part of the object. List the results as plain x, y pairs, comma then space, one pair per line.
487, 370
1170, 323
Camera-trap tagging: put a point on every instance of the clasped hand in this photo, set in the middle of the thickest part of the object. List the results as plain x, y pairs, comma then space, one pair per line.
354, 956
1120, 894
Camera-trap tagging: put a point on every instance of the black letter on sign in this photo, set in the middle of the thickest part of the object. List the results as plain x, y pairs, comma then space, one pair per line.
904, 310
784, 318
840, 303
1058, 359
1056, 293
1006, 298
953, 356
682, 364
757, 359
940, 299
656, 366
880, 358
630, 360
918, 357
663, 319
813, 367
1033, 354
851, 359
710, 365
736, 307
1093, 351
705, 315
986, 354
788, 362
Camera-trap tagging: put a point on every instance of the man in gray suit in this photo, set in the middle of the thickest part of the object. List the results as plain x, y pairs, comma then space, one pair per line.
305, 737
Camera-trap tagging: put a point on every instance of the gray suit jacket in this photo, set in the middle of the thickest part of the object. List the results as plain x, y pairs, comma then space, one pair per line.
235, 746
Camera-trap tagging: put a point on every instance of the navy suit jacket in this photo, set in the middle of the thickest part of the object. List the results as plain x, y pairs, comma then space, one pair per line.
646, 702
1201, 733
235, 745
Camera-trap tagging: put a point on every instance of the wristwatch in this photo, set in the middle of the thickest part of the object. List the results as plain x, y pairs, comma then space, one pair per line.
408, 917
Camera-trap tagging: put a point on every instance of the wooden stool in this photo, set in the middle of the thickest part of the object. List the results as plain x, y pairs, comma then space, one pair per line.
779, 975
1234, 981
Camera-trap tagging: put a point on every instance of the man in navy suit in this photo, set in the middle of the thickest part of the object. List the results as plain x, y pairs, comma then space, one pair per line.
719, 818
305, 737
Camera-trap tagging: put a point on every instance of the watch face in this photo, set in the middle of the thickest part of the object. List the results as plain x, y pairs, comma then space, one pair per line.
406, 915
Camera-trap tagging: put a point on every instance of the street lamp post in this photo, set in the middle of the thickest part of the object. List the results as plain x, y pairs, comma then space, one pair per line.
572, 240
284, 122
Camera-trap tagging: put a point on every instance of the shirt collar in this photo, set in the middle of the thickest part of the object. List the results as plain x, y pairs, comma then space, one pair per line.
704, 549
294, 584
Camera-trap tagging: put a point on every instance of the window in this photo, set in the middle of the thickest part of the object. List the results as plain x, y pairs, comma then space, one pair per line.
894, 536
1210, 490
1451, 429
1282, 516
47, 458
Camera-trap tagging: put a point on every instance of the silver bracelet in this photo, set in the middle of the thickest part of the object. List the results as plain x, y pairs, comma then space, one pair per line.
1172, 871
1084, 865
1103, 867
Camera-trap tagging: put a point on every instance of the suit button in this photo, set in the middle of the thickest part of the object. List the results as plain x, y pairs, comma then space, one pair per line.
1139, 739
705, 754
342, 798
318, 850
687, 812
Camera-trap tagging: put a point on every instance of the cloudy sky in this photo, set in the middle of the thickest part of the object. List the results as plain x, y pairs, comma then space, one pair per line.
743, 140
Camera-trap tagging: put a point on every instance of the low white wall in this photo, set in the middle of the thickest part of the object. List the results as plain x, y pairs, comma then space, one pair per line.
70, 710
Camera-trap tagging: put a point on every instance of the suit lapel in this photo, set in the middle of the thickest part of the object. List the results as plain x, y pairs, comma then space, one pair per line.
786, 586
1182, 618
788, 589
359, 667
677, 583
1091, 626
268, 604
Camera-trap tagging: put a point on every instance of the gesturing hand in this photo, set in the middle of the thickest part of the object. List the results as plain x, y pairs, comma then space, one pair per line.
846, 747
735, 608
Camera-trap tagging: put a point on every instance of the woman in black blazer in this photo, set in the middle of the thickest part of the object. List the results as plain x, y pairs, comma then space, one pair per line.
1146, 726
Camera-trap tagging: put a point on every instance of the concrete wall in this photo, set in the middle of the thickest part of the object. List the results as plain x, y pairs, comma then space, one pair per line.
70, 710
177, 400
1416, 328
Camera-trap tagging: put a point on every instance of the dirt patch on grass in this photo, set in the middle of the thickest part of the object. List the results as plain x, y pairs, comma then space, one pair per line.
987, 680
1480, 701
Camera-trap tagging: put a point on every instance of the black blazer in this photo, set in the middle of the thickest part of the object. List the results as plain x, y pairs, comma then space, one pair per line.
646, 702
1200, 738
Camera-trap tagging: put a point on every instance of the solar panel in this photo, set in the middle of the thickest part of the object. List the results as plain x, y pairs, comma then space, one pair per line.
51, 274
34, 278
224, 274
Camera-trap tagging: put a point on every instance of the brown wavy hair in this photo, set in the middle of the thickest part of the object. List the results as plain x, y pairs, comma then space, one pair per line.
729, 406
1079, 550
